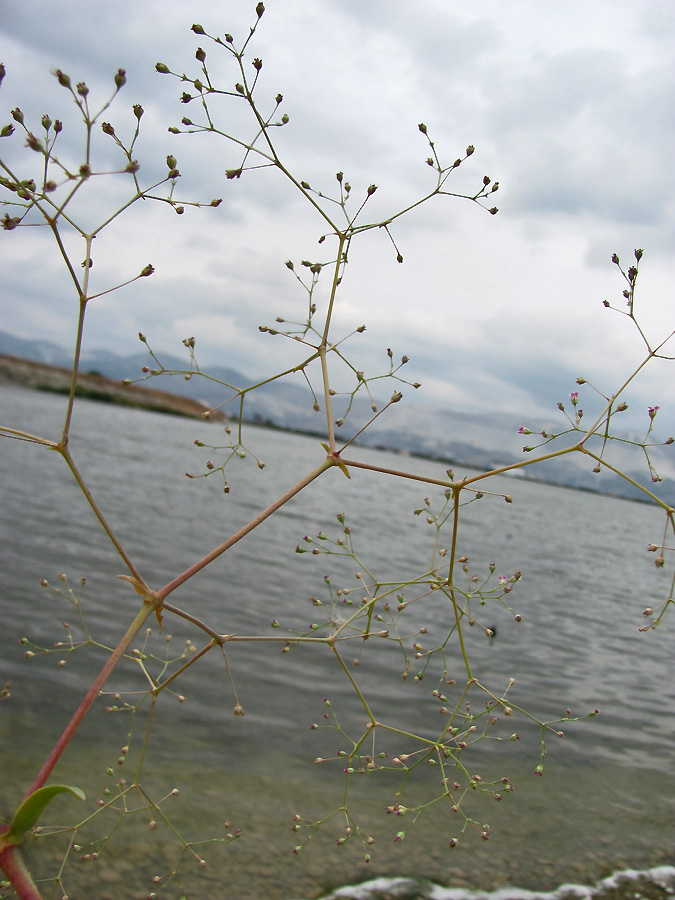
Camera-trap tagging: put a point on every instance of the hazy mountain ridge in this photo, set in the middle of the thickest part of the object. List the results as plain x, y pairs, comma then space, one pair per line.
464, 439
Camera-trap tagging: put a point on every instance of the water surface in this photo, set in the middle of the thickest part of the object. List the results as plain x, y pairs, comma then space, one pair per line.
606, 799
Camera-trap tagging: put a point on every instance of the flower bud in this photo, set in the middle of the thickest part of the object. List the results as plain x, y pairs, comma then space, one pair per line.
257, 64
82, 89
200, 54
171, 162
371, 189
161, 68
107, 128
470, 149
64, 80
260, 9
6, 130
198, 29
34, 143
138, 110
148, 270
121, 78
17, 115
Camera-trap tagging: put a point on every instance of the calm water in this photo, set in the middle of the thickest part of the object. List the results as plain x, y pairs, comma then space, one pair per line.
606, 800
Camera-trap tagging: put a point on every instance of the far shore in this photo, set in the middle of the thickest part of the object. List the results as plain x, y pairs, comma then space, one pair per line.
91, 385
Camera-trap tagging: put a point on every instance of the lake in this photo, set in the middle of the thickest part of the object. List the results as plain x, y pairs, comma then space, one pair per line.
605, 802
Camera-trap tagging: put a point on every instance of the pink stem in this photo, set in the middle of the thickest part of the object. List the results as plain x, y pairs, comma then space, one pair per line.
91, 695
14, 868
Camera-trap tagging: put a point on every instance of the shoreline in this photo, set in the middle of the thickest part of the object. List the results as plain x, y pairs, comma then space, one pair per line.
19, 372
657, 883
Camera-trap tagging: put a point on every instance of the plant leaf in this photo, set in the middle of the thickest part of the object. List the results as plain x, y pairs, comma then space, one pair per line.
28, 814
343, 468
338, 462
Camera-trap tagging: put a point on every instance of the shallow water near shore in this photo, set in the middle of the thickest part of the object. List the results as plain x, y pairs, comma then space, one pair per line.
605, 803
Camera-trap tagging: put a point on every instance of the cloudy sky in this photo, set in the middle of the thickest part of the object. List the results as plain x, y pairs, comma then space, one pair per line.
569, 103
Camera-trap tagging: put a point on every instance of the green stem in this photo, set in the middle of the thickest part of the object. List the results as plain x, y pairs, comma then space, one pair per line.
65, 453
355, 686
453, 552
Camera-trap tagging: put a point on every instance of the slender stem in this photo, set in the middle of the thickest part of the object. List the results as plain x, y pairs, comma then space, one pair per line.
630, 480
520, 465
453, 554
235, 538
355, 686
26, 436
76, 366
324, 344
326, 394
146, 738
99, 514
352, 463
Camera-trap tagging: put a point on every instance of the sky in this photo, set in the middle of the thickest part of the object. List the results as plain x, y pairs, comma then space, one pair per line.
570, 105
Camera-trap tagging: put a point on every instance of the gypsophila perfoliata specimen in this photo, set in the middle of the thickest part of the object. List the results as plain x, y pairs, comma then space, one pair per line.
427, 618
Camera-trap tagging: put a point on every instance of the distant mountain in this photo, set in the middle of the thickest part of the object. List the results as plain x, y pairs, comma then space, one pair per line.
39, 351
481, 441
